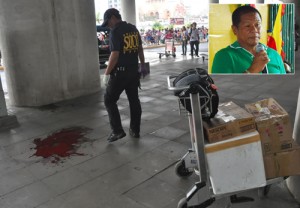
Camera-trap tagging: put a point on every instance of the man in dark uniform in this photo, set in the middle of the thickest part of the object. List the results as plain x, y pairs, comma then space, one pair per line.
122, 73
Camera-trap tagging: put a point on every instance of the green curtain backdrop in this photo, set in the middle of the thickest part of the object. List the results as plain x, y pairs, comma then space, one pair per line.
288, 32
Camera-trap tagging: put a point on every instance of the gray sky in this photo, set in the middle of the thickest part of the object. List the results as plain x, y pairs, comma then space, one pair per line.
101, 6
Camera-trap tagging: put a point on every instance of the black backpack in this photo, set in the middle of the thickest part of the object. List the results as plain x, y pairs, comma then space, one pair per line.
200, 82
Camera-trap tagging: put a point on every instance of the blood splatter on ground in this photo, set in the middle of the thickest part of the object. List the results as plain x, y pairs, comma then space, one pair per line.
61, 144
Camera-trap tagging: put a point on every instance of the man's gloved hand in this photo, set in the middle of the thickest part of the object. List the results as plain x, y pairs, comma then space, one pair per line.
105, 79
143, 70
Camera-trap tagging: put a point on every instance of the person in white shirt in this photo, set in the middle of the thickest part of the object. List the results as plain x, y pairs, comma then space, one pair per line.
184, 40
194, 39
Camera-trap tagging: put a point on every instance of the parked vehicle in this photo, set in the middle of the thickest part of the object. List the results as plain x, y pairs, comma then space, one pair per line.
103, 44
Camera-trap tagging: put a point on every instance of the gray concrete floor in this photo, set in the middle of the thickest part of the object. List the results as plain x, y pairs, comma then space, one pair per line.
129, 173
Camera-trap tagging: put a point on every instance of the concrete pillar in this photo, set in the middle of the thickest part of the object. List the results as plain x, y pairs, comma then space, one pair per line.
128, 11
293, 182
50, 50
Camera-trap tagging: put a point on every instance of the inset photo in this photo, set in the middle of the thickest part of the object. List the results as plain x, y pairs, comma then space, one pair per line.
251, 39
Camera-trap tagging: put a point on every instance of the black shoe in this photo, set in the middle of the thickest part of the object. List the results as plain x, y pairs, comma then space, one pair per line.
197, 55
115, 136
134, 134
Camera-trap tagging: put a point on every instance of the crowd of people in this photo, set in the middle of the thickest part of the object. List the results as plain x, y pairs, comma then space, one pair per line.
152, 37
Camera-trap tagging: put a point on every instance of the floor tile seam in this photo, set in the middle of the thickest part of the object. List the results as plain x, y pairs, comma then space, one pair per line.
13, 160
164, 126
95, 156
63, 170
56, 195
160, 113
78, 164
159, 109
152, 176
59, 118
138, 202
21, 187
91, 178
87, 181
128, 162
152, 94
172, 185
16, 143
36, 179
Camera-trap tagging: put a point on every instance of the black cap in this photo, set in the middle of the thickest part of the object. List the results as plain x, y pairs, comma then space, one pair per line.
108, 14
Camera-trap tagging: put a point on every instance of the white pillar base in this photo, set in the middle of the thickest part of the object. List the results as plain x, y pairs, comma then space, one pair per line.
8, 122
3, 110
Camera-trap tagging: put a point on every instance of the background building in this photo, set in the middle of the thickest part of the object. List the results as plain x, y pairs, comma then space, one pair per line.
162, 11
114, 4
151, 11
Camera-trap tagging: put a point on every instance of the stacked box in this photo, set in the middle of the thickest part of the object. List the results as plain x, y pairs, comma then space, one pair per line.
281, 152
236, 164
273, 124
230, 121
285, 163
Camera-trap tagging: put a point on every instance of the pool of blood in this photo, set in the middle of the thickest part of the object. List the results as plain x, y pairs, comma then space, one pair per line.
61, 144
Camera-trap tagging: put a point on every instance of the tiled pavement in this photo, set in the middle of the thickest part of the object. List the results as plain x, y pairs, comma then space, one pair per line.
129, 173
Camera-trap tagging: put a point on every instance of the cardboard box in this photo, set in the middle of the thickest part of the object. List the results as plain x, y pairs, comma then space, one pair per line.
273, 124
236, 164
286, 163
230, 121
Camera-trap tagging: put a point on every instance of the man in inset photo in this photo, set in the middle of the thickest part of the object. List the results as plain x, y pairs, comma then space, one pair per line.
253, 51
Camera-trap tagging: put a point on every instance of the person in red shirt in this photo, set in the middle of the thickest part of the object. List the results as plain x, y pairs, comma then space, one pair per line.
169, 35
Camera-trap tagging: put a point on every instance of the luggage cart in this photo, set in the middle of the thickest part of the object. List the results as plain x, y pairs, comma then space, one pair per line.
195, 159
170, 49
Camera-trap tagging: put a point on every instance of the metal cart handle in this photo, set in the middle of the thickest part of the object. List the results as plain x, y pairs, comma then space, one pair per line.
172, 88
198, 130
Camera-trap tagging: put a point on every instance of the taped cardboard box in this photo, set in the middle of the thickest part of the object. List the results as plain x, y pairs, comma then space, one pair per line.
273, 124
286, 163
230, 121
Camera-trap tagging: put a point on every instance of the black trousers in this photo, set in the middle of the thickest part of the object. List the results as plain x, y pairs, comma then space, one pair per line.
119, 81
196, 44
